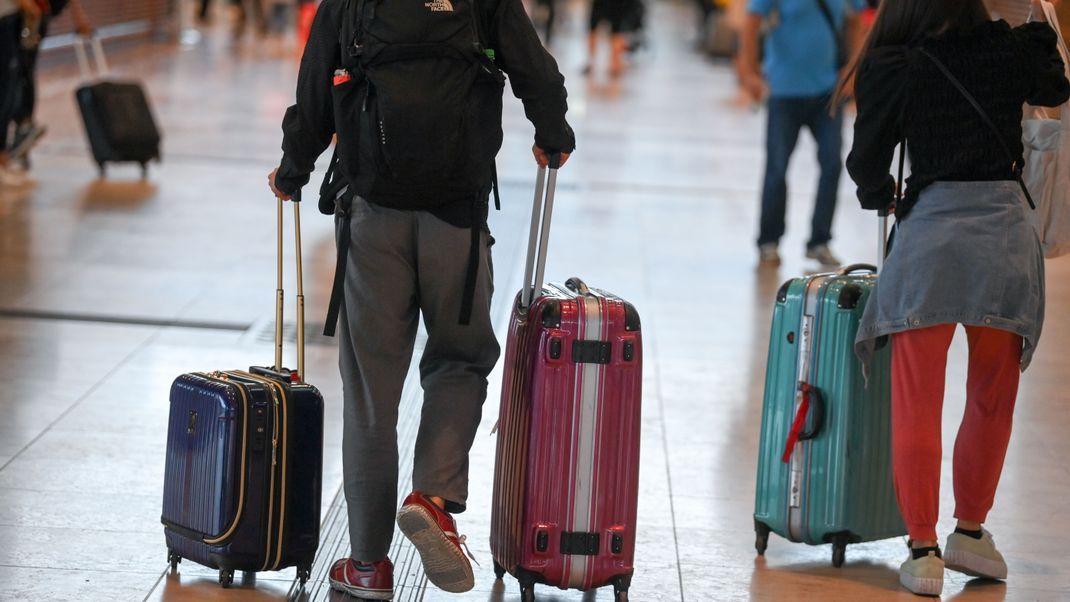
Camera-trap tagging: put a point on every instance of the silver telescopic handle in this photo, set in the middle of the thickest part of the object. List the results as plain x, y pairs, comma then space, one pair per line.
300, 293
533, 239
882, 240
100, 61
544, 238
279, 294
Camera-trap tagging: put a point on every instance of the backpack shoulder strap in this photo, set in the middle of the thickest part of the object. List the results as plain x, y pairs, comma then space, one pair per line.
1016, 162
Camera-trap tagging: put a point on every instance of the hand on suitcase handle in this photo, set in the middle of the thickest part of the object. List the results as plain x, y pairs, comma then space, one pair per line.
555, 160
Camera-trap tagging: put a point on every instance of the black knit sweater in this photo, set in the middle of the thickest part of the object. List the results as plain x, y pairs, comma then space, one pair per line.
902, 94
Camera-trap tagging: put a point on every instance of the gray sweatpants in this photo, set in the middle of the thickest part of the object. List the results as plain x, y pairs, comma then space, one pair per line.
402, 264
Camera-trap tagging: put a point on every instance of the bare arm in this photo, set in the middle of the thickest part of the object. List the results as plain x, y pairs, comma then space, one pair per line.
747, 64
81, 21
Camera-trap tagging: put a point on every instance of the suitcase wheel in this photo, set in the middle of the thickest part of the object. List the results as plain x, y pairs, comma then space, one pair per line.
499, 570
527, 594
226, 577
174, 559
839, 553
839, 549
761, 537
621, 584
303, 574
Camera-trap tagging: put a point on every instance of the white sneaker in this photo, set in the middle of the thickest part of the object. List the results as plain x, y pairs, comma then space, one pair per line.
823, 255
768, 255
923, 576
975, 557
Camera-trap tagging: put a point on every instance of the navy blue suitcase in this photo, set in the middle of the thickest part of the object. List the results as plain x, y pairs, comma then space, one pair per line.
244, 469
244, 464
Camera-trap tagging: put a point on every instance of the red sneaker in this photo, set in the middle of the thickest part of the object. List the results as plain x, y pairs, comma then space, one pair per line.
434, 533
368, 580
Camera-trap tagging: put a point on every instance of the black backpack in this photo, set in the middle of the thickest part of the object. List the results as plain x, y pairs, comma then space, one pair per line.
417, 103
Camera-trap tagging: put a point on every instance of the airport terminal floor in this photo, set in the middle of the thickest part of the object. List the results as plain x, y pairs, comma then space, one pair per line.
110, 288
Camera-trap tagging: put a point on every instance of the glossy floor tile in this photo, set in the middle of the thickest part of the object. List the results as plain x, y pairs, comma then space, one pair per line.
110, 288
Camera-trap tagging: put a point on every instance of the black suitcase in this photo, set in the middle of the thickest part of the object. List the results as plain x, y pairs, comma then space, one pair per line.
244, 466
117, 117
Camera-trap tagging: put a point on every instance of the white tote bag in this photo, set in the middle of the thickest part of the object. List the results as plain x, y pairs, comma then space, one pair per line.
1047, 164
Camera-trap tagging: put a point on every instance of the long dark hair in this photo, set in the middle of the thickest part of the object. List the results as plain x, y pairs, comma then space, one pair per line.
901, 22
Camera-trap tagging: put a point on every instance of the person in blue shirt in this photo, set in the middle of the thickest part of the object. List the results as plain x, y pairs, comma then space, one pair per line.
806, 45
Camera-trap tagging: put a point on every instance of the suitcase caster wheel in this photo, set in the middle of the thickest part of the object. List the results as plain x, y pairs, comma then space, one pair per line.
839, 553
226, 578
620, 587
174, 559
302, 575
499, 571
761, 537
527, 594
620, 597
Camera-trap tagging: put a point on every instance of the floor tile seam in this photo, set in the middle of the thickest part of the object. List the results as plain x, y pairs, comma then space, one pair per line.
652, 324
33, 567
80, 529
149, 339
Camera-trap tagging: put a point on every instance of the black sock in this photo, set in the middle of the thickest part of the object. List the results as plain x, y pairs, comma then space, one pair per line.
974, 534
923, 552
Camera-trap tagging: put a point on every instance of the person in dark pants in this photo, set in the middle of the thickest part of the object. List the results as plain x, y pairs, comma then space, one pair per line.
12, 14
27, 131
410, 249
803, 57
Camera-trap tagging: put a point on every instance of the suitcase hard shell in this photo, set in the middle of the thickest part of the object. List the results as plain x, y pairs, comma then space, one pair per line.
836, 485
243, 472
118, 123
567, 471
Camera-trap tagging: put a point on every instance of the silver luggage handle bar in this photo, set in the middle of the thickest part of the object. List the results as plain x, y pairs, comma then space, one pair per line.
539, 235
100, 61
279, 293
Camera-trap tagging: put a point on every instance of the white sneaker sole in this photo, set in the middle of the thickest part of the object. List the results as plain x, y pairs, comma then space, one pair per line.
974, 565
444, 563
922, 586
362, 593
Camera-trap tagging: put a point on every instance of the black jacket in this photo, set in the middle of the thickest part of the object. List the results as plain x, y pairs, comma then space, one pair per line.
309, 124
902, 94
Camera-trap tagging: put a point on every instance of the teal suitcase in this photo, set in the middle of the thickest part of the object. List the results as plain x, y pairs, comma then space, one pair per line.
824, 467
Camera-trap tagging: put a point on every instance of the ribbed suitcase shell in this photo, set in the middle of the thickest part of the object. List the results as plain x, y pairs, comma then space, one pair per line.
243, 472
568, 444
845, 485
118, 122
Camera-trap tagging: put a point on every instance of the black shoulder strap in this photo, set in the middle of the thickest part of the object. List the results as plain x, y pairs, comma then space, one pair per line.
836, 31
1016, 162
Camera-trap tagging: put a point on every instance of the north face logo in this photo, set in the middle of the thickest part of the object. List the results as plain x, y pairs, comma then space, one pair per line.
440, 6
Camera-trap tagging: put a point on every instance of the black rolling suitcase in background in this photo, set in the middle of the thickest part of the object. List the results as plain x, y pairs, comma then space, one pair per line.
116, 115
244, 463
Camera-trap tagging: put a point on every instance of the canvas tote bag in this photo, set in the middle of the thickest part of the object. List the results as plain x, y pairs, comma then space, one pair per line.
1047, 164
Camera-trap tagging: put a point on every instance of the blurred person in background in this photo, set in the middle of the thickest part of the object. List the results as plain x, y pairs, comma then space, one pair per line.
965, 252
12, 14
807, 43
620, 18
34, 29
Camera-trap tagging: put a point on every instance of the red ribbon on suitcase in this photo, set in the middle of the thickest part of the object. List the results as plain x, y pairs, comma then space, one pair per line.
800, 421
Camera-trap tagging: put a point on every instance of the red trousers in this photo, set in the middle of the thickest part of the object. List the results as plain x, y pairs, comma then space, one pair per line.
919, 362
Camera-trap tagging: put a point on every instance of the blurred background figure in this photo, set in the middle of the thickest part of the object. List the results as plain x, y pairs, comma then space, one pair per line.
13, 14
807, 44
622, 18
544, 15
33, 30
240, 14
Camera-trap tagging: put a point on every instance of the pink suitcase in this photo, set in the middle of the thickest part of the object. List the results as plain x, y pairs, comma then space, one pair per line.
567, 470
